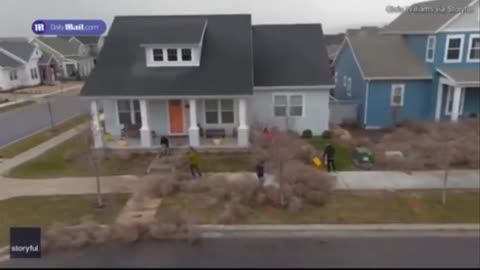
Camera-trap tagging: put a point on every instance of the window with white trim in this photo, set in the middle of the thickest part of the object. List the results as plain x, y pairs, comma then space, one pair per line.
129, 112
158, 55
34, 73
449, 101
430, 54
474, 48
453, 50
172, 55
13, 75
349, 87
288, 105
219, 111
397, 95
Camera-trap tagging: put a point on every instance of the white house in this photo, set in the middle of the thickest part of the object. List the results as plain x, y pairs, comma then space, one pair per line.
18, 64
73, 58
195, 78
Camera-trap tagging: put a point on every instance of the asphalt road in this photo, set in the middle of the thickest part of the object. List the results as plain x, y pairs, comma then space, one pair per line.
24, 121
404, 252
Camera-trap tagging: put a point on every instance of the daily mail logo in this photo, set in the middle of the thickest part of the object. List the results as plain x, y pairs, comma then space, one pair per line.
38, 27
25, 242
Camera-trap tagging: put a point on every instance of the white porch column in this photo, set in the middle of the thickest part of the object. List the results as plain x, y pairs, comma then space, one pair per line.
97, 129
242, 119
145, 133
193, 136
456, 104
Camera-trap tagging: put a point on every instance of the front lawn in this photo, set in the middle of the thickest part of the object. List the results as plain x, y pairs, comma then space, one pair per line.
45, 210
71, 159
15, 106
38, 138
226, 162
344, 159
345, 208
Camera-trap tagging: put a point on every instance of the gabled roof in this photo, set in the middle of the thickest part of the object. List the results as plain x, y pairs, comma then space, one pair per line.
83, 39
225, 68
60, 45
290, 55
170, 30
462, 76
426, 17
385, 56
18, 47
7, 61
45, 59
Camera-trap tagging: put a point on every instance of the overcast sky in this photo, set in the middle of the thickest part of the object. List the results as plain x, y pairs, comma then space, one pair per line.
16, 16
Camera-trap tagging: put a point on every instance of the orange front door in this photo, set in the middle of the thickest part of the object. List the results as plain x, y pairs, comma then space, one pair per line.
175, 110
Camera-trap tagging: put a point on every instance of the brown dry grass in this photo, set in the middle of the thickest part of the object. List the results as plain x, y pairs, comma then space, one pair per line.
427, 145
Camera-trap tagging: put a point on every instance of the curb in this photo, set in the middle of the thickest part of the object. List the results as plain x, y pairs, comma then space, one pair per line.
336, 227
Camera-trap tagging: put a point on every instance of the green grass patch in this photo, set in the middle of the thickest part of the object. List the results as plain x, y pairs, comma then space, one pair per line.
45, 210
226, 162
71, 158
38, 138
15, 106
346, 208
344, 154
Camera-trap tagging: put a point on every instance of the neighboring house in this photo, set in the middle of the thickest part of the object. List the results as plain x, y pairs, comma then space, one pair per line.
423, 66
18, 64
332, 51
49, 69
190, 77
72, 58
93, 43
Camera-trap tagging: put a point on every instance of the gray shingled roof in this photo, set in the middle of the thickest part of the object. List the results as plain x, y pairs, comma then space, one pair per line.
60, 45
7, 61
382, 56
423, 21
463, 76
186, 31
21, 48
225, 69
290, 55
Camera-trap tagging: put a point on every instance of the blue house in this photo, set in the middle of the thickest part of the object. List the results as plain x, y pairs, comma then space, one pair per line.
425, 65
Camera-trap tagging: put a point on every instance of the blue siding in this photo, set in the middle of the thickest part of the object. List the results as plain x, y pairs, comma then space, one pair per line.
440, 51
417, 102
419, 44
345, 65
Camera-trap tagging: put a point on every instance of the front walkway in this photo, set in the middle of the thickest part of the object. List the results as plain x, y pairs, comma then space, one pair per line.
372, 180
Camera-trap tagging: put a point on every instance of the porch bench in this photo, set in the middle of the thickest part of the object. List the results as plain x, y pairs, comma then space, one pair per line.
215, 133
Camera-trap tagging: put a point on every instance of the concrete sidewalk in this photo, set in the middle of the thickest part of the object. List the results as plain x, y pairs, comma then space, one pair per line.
8, 164
396, 180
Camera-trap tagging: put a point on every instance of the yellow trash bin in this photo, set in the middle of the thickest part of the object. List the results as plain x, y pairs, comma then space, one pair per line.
317, 162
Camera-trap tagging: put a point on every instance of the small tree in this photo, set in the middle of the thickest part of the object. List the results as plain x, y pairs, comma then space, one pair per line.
94, 158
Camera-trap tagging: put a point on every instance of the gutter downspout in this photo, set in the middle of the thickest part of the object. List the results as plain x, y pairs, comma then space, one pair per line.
365, 109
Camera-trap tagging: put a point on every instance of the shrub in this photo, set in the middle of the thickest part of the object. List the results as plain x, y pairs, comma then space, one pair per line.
158, 185
318, 198
194, 186
326, 135
307, 134
233, 212
295, 204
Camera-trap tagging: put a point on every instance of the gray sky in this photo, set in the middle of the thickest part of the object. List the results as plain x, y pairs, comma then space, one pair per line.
16, 16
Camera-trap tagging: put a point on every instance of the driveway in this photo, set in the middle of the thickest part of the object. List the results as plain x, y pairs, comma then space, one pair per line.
24, 121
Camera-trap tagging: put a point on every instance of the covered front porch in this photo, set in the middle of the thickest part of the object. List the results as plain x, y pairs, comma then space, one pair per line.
193, 122
458, 94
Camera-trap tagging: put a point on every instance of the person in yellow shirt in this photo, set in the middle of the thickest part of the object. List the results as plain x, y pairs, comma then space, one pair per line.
194, 161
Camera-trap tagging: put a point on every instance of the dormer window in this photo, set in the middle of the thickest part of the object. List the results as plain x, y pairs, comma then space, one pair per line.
157, 55
172, 55
186, 54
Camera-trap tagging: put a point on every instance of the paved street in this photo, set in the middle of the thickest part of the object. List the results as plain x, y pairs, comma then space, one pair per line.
24, 121
417, 251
